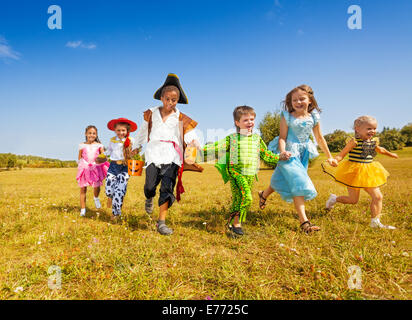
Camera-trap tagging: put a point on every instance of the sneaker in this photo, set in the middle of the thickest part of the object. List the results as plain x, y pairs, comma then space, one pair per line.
82, 212
375, 223
149, 205
97, 203
164, 230
331, 201
234, 231
238, 231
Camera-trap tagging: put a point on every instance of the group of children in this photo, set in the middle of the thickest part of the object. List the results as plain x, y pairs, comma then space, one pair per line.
168, 133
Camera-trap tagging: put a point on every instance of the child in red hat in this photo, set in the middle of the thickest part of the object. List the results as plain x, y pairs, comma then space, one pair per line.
119, 150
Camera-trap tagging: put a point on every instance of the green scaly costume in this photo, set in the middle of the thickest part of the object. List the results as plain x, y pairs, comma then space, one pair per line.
238, 162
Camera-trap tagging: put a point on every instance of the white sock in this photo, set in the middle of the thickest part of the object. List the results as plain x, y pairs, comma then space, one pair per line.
97, 203
331, 201
83, 212
375, 222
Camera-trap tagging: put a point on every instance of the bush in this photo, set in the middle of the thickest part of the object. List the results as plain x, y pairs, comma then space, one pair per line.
391, 139
337, 140
8, 160
406, 132
3, 161
270, 126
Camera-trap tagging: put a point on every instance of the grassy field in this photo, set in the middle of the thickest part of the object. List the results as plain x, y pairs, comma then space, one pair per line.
40, 227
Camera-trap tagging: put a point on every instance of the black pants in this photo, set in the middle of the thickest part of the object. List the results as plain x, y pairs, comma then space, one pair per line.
166, 174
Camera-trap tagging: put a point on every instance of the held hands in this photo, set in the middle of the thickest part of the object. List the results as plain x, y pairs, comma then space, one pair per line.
285, 155
333, 162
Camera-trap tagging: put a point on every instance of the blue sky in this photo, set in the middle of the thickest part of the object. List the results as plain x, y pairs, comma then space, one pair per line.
110, 57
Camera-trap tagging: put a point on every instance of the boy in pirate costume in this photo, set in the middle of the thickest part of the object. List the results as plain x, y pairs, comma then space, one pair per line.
167, 132
239, 164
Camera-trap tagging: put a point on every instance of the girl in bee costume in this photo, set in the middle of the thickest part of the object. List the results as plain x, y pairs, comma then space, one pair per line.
360, 170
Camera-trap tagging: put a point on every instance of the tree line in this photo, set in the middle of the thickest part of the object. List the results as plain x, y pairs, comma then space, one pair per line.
390, 138
9, 161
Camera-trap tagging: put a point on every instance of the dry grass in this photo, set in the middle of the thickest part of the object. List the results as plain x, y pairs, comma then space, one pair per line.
40, 226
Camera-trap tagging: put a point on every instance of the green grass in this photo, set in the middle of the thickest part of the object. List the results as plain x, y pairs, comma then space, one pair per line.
40, 226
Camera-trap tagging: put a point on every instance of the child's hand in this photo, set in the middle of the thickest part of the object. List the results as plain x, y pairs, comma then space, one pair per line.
196, 144
333, 162
101, 158
394, 155
285, 155
135, 151
190, 154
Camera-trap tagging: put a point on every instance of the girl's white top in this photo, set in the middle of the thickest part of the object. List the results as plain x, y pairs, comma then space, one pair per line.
157, 151
91, 150
115, 149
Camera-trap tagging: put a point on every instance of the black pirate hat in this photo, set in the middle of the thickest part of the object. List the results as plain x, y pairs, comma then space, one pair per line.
172, 80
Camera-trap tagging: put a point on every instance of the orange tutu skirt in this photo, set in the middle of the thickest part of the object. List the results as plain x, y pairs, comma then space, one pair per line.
358, 175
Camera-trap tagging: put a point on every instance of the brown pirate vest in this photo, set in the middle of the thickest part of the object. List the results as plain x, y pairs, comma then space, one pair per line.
185, 125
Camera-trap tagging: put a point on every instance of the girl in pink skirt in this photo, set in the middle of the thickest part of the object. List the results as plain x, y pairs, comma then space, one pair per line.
90, 173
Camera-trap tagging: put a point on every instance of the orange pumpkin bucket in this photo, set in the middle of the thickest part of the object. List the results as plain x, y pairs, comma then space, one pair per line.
135, 167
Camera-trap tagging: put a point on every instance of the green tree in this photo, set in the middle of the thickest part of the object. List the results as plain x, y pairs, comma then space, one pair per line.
391, 139
11, 161
406, 132
337, 140
3, 161
269, 127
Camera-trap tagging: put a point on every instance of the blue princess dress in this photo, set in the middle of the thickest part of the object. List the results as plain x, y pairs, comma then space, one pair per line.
290, 178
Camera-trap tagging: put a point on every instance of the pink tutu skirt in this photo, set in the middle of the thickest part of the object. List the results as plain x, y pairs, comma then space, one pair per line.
91, 175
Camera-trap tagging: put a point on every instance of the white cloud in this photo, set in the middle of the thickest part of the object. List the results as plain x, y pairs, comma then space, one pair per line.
73, 44
80, 44
6, 51
89, 46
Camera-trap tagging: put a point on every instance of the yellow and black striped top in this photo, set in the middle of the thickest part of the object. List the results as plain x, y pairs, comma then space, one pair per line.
364, 152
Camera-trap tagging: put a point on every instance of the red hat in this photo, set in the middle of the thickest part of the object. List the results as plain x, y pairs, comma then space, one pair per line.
112, 124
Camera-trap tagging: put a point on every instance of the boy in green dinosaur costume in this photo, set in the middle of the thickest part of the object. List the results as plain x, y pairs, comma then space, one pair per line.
239, 157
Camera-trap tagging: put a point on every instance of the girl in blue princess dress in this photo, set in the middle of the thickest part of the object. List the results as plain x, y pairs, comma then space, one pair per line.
290, 179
